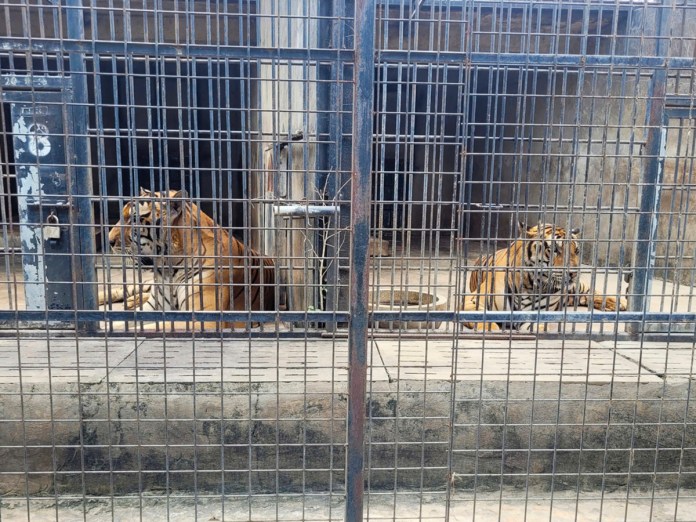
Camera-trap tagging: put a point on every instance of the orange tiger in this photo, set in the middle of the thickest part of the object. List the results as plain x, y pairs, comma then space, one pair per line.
538, 271
196, 264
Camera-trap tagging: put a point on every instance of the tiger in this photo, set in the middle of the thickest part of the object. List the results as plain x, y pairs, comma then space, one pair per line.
195, 264
538, 271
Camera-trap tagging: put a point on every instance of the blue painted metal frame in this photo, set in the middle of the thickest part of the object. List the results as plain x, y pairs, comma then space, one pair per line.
346, 55
319, 316
651, 180
179, 50
79, 171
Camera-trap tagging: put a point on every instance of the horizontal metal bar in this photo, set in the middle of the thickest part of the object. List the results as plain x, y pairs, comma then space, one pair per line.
385, 56
594, 7
180, 51
306, 210
48, 201
677, 101
680, 112
492, 206
169, 315
544, 317
323, 316
531, 60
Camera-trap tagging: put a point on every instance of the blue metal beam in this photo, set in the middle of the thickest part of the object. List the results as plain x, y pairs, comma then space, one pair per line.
532, 60
79, 171
571, 316
651, 179
183, 52
179, 51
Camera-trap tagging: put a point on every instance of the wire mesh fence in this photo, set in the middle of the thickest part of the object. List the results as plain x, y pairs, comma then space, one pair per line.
324, 260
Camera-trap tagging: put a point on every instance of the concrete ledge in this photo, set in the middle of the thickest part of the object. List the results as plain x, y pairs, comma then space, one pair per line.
508, 505
118, 417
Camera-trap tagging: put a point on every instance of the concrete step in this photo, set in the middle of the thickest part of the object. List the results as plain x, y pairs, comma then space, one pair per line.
118, 416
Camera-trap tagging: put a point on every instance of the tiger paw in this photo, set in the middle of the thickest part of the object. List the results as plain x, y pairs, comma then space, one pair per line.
609, 304
130, 303
135, 301
483, 327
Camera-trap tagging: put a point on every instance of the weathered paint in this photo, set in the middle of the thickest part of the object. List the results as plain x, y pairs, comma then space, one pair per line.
40, 156
29, 186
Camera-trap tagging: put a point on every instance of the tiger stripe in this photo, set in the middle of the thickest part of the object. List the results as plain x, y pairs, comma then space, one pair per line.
196, 264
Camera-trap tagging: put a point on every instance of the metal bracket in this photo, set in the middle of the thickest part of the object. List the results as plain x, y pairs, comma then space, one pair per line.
306, 211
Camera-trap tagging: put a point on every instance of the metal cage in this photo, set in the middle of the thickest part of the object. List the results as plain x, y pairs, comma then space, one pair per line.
405, 259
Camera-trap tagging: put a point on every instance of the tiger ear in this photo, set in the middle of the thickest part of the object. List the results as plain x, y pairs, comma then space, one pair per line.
575, 231
177, 201
144, 192
527, 231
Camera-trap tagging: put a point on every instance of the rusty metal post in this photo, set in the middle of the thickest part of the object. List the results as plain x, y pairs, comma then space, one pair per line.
363, 77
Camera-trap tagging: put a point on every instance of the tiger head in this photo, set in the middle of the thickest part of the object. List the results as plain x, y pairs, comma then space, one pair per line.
552, 254
147, 228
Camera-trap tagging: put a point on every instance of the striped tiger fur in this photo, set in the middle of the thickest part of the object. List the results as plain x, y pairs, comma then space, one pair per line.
538, 271
196, 264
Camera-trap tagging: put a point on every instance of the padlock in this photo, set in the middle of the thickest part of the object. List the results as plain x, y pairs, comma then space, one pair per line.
51, 230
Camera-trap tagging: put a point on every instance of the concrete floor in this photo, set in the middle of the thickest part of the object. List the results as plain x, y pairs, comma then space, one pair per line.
67, 360
506, 506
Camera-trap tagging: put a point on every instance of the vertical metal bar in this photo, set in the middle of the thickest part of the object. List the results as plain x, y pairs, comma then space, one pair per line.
363, 77
325, 147
644, 258
80, 172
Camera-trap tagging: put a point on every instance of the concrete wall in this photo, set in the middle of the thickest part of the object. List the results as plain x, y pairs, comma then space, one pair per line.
451, 144
590, 139
555, 144
676, 251
580, 164
125, 444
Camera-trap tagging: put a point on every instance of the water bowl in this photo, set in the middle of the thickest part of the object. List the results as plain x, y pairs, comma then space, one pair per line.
406, 301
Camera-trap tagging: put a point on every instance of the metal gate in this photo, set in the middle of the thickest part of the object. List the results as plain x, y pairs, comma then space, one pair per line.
319, 260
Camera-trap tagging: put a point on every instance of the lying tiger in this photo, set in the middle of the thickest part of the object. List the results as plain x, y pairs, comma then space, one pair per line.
196, 264
538, 271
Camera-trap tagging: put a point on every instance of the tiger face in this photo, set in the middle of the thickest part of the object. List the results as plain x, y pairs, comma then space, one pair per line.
553, 255
143, 222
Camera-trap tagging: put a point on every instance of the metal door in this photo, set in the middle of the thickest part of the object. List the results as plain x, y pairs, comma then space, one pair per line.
54, 228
